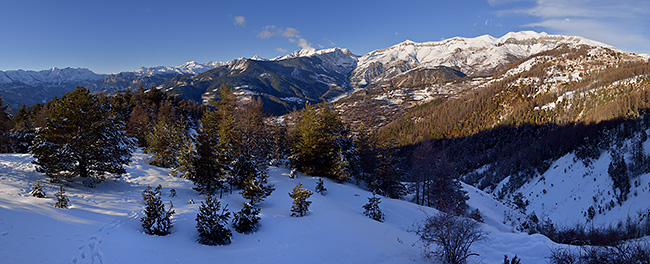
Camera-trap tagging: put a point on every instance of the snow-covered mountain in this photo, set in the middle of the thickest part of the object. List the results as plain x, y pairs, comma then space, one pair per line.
54, 76
18, 87
191, 67
28, 87
472, 56
283, 83
337, 59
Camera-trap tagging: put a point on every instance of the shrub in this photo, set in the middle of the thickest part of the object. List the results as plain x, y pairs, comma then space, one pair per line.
452, 236
300, 204
37, 190
372, 209
62, 200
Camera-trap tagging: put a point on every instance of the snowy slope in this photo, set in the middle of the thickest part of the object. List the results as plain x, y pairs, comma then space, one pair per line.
103, 226
565, 192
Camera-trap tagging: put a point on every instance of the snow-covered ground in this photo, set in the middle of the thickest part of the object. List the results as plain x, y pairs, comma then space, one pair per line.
103, 226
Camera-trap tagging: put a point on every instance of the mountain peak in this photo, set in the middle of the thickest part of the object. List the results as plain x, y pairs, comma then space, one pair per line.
313, 52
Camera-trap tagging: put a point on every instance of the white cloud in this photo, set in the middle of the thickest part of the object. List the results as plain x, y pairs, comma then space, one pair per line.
304, 44
281, 50
621, 23
291, 34
239, 21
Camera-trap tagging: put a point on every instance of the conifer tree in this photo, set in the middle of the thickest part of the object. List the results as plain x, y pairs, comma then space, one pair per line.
37, 190
246, 220
62, 200
385, 179
257, 188
320, 187
300, 204
208, 174
372, 210
211, 223
6, 123
157, 220
318, 146
186, 159
81, 139
165, 141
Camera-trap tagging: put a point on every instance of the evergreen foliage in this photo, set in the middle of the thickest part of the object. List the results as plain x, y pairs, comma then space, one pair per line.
37, 190
257, 188
62, 200
81, 139
386, 176
156, 220
246, 220
319, 148
186, 159
320, 187
211, 223
372, 210
300, 204
208, 174
165, 141
6, 123
617, 170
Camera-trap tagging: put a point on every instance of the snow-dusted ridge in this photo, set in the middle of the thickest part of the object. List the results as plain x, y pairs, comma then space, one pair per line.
479, 55
191, 67
51, 76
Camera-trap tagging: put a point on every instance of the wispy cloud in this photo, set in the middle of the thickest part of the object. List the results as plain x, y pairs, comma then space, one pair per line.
239, 21
281, 50
291, 34
621, 23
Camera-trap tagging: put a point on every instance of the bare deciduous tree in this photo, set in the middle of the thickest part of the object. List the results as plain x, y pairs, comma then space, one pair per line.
451, 235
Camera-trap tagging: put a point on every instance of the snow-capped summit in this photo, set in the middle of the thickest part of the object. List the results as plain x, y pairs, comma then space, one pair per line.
337, 59
313, 52
191, 67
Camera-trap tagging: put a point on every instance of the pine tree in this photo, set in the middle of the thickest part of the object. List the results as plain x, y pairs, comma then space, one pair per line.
385, 179
243, 170
165, 141
318, 145
320, 187
186, 159
246, 220
81, 139
208, 174
211, 223
617, 170
6, 123
157, 220
447, 195
62, 200
300, 204
37, 190
372, 210
257, 188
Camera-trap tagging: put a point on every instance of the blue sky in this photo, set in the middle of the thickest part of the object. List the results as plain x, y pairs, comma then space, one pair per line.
114, 36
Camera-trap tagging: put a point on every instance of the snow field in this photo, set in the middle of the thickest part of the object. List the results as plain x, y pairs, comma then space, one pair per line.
103, 224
